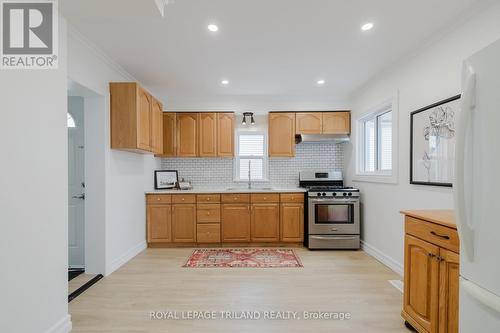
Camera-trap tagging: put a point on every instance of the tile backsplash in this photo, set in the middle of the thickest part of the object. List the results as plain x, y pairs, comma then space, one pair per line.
283, 172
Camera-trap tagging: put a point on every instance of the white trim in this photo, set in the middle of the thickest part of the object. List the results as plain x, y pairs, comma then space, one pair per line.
62, 326
124, 258
382, 257
389, 177
398, 284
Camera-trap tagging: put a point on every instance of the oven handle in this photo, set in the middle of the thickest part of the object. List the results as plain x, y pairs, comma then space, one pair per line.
334, 200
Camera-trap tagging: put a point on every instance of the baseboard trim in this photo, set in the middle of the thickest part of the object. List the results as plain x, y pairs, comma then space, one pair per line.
124, 258
382, 257
62, 326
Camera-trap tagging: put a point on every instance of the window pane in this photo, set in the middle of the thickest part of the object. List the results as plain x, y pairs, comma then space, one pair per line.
385, 144
256, 168
369, 145
251, 145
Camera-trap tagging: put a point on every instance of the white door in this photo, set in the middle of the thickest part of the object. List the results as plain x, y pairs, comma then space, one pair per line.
76, 188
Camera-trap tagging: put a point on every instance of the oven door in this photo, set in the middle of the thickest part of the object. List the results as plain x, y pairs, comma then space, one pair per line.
333, 216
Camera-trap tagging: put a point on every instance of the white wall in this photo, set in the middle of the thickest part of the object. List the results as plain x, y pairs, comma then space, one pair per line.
33, 199
127, 175
430, 75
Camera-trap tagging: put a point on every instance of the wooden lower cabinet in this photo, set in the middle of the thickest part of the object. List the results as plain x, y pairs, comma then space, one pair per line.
265, 225
235, 220
208, 233
184, 223
159, 223
292, 222
431, 273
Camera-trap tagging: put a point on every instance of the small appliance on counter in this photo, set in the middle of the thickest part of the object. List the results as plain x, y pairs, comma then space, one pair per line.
332, 217
185, 185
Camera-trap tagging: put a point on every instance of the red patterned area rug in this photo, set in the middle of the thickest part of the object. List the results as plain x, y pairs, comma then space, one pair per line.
253, 258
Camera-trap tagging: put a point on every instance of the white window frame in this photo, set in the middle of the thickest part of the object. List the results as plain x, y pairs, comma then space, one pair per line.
378, 176
265, 157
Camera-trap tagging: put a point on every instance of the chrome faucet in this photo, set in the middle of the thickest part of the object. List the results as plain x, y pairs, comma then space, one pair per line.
249, 174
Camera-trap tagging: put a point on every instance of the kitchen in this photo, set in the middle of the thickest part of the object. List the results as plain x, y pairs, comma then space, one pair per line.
213, 165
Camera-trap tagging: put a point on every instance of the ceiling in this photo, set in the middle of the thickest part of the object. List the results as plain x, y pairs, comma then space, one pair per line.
263, 47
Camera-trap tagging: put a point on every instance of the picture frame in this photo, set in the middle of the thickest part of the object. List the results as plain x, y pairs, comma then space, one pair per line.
432, 143
166, 179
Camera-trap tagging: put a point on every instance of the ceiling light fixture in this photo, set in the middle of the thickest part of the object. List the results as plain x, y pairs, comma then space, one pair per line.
212, 28
224, 82
367, 26
245, 115
321, 82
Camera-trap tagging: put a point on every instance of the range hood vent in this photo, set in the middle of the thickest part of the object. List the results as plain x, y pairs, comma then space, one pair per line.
334, 138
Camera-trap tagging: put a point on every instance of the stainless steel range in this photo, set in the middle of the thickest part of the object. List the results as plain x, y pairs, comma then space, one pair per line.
333, 220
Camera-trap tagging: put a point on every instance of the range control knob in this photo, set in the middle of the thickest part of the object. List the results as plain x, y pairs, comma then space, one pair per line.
318, 194
334, 194
349, 194
344, 194
324, 194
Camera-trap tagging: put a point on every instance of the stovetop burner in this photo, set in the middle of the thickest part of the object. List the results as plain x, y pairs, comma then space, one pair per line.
330, 188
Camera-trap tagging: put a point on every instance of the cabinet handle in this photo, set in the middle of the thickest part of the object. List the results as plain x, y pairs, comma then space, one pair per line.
440, 236
439, 258
431, 255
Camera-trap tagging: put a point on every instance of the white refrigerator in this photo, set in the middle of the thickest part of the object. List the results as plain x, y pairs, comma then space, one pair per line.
477, 192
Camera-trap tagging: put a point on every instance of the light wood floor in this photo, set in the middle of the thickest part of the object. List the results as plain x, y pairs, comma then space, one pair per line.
79, 281
331, 281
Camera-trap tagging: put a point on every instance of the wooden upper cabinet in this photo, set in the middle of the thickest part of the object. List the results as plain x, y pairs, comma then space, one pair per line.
157, 127
421, 281
169, 134
281, 134
338, 122
308, 122
449, 275
187, 134
225, 134
135, 118
207, 137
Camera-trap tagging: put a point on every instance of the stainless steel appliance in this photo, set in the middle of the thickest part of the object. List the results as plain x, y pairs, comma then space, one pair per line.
332, 218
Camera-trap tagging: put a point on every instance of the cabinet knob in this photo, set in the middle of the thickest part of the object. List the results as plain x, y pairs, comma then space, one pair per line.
265, 198
208, 199
208, 213
158, 199
182, 199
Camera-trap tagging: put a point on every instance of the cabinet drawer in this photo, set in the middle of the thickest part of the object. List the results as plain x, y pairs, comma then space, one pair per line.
434, 233
292, 197
208, 233
158, 198
265, 197
236, 198
208, 198
183, 198
208, 213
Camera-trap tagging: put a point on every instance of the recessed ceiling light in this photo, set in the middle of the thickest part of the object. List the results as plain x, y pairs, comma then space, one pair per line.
367, 26
225, 82
320, 82
212, 28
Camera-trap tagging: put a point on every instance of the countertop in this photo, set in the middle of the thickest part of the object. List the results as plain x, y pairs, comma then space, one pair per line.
199, 190
445, 217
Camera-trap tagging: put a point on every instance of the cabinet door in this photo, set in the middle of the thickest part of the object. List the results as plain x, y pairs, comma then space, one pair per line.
207, 138
281, 134
292, 222
337, 122
225, 134
169, 134
265, 222
235, 219
184, 223
421, 279
308, 123
144, 107
157, 127
159, 224
449, 274
187, 134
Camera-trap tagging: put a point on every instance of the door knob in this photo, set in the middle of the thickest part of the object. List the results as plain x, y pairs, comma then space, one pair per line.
81, 196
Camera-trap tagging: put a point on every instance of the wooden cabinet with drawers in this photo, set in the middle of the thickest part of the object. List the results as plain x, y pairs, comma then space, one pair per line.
258, 218
136, 119
431, 271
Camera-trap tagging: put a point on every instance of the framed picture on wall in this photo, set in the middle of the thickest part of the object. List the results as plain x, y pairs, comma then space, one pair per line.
165, 179
432, 143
